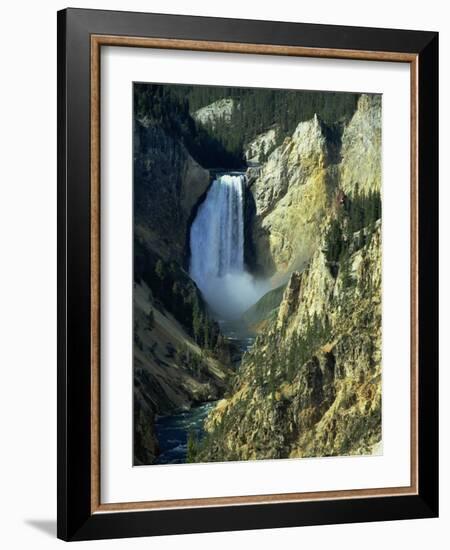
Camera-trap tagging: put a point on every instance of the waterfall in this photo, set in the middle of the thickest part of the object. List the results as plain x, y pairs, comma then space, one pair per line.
217, 250
217, 234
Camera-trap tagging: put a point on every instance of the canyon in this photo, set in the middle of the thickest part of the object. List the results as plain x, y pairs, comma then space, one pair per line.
258, 288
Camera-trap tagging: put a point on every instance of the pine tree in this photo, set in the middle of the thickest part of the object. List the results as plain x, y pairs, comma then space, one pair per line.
192, 447
293, 357
333, 242
196, 320
206, 341
272, 379
346, 277
160, 270
150, 320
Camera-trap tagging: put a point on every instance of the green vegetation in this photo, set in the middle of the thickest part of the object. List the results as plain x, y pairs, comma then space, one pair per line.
278, 359
260, 109
334, 241
150, 320
173, 289
191, 360
193, 444
264, 307
350, 231
256, 110
362, 210
163, 106
160, 270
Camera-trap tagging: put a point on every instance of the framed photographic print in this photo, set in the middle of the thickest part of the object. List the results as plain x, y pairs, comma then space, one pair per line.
247, 252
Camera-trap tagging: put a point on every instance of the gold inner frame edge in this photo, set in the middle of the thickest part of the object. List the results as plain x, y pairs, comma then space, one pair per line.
97, 41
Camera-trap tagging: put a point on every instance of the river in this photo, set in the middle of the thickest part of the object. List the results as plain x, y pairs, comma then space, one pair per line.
173, 430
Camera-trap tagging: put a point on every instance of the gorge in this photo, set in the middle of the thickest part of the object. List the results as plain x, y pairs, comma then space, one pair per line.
257, 299
217, 267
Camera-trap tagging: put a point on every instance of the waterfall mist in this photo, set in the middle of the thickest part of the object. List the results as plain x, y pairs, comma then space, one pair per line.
217, 250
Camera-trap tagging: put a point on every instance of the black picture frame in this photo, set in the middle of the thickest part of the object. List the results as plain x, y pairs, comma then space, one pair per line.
75, 518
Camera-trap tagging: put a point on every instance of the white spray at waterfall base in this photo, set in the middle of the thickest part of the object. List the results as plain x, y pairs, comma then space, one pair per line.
217, 250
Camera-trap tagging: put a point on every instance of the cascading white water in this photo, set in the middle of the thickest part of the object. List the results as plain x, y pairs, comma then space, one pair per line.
217, 250
217, 234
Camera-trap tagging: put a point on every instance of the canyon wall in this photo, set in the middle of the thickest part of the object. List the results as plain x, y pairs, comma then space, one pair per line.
171, 369
168, 184
298, 185
311, 384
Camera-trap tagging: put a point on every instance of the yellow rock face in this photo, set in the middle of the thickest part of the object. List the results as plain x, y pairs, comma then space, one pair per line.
323, 399
361, 148
291, 196
297, 185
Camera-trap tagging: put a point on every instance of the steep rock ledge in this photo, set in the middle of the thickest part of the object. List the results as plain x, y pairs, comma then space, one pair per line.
170, 184
301, 181
326, 402
291, 196
258, 149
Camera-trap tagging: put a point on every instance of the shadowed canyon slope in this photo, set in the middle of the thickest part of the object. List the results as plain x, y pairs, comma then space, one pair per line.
172, 327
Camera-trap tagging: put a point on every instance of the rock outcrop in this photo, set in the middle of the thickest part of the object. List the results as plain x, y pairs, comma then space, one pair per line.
257, 150
361, 148
218, 112
303, 390
292, 195
298, 185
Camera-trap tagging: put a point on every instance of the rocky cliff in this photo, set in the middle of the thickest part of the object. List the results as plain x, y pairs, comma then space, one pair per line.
179, 359
217, 112
299, 183
311, 384
361, 148
292, 193
258, 149
168, 184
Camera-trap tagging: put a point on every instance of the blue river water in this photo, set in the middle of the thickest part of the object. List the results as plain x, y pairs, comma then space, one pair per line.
173, 430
